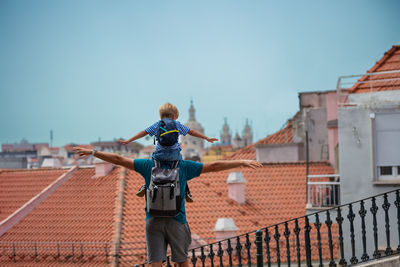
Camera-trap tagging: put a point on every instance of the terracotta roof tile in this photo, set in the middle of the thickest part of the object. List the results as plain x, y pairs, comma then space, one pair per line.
390, 61
133, 222
82, 210
18, 187
274, 193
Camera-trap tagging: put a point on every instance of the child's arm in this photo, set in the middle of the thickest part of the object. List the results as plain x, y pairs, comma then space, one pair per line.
200, 135
137, 136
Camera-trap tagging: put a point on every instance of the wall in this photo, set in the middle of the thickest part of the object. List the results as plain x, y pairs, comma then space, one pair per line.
331, 117
312, 99
317, 134
315, 110
357, 164
280, 153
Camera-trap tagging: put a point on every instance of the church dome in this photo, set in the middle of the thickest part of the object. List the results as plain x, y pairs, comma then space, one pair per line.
195, 126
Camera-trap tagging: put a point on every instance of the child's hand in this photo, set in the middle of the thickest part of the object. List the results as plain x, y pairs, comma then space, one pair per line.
122, 141
211, 140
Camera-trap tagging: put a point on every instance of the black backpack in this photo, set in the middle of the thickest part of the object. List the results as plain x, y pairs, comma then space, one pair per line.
167, 133
163, 195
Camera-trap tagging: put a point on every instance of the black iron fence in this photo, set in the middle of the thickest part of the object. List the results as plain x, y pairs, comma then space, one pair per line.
345, 235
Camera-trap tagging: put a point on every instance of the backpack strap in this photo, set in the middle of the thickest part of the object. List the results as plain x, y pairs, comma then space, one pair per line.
157, 136
157, 164
175, 164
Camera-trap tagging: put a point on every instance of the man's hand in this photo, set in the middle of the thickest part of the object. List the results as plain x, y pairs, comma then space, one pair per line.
123, 142
211, 140
109, 157
82, 151
252, 164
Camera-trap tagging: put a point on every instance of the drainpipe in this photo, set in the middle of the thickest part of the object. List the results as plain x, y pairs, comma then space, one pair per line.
307, 167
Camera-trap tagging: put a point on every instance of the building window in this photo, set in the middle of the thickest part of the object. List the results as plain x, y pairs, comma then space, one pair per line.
386, 170
387, 145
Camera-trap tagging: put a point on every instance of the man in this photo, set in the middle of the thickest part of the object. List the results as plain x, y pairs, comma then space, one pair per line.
163, 231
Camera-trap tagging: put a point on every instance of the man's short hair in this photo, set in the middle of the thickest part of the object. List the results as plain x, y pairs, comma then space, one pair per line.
168, 110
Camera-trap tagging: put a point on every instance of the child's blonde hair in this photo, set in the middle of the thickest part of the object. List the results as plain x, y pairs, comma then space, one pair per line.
168, 110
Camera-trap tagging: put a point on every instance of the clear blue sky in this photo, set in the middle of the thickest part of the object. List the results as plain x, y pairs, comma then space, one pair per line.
90, 69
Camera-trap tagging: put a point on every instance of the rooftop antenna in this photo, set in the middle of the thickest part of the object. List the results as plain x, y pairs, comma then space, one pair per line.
51, 138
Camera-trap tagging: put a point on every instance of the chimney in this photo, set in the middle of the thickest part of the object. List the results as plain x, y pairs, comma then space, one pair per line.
236, 187
224, 228
102, 168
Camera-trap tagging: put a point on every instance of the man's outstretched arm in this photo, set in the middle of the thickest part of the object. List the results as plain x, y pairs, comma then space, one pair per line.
222, 165
109, 157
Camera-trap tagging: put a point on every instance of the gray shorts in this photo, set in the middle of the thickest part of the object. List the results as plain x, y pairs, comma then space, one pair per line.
163, 231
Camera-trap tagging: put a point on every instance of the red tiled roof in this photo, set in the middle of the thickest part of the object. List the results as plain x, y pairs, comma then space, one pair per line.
282, 136
133, 222
389, 62
18, 186
274, 193
81, 210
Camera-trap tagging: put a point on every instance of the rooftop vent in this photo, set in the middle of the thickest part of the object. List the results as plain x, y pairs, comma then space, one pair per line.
103, 168
236, 187
225, 228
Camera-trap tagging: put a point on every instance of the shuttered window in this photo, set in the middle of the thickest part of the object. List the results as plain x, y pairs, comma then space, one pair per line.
387, 145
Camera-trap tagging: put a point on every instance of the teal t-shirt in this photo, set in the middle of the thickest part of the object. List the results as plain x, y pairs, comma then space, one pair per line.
187, 170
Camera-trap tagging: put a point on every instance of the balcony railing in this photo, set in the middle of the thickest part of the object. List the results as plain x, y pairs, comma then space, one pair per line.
323, 191
99, 253
373, 80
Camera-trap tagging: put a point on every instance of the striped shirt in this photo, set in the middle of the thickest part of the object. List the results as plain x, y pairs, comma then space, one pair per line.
152, 131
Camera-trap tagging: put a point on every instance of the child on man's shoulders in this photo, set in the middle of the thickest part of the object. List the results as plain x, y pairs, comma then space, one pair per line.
167, 132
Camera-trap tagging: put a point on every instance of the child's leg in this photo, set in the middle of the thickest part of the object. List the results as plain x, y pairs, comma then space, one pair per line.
142, 191
167, 155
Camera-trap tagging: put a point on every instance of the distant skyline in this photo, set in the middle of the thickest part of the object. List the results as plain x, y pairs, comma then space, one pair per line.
100, 69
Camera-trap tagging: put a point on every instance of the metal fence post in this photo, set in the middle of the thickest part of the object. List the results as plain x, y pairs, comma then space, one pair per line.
307, 240
259, 248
